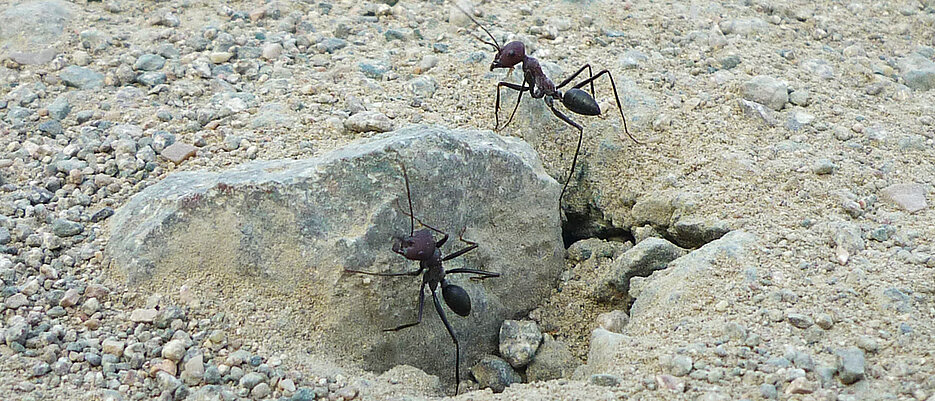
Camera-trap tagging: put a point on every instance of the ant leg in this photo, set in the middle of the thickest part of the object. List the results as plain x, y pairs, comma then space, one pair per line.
412, 273
471, 246
419, 320
548, 101
616, 97
437, 244
483, 273
441, 314
521, 88
567, 80
412, 225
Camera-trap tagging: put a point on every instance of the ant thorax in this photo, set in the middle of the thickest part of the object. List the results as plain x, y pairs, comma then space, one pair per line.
541, 84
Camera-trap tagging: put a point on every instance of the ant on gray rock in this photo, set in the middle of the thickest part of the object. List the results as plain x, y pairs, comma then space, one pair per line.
540, 86
421, 246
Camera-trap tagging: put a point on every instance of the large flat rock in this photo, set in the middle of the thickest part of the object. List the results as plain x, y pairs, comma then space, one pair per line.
279, 234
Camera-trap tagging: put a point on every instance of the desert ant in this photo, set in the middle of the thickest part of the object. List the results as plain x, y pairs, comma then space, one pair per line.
540, 86
421, 246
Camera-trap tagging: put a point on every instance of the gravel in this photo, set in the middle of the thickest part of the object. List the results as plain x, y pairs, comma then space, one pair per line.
807, 125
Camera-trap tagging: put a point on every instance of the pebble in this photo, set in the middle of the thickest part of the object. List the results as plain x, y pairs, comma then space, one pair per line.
374, 68
615, 321
365, 121
143, 315
16, 301
250, 380
149, 62
272, 51
151, 78
767, 91
494, 373
66, 228
113, 347
102, 214
519, 341
331, 45
850, 365
179, 152
910, 197
70, 298
81, 77
680, 365
823, 167
605, 380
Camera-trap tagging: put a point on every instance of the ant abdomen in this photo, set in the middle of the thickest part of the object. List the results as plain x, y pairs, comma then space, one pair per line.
580, 102
457, 299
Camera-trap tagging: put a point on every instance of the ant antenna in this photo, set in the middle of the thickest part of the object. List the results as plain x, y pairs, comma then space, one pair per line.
495, 44
412, 219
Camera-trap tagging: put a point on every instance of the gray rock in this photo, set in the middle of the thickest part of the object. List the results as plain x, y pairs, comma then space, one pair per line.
51, 128
799, 119
212, 393
767, 91
16, 331
273, 115
151, 78
519, 341
850, 365
918, 72
339, 211
823, 167
615, 321
331, 45
758, 111
743, 26
553, 360
910, 197
66, 228
632, 59
820, 68
251, 379
29, 30
668, 294
5, 237
693, 232
769, 391
174, 350
644, 258
81, 78
423, 87
366, 121
602, 349
59, 108
848, 240
494, 373
800, 320
16, 301
149, 62
681, 365
603, 379
374, 68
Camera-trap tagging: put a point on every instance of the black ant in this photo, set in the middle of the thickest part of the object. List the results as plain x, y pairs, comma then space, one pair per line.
421, 246
540, 86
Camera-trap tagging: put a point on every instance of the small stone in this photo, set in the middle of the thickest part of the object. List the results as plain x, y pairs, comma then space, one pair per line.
143, 315
850, 365
65, 228
766, 90
250, 380
70, 298
287, 385
769, 391
824, 321
365, 121
40, 369
149, 62
910, 197
615, 321
799, 119
670, 383
220, 57
331, 45
91, 306
179, 152
81, 78
494, 373
59, 108
519, 341
262, 390
102, 214
681, 365
868, 344
164, 365
16, 301
553, 360
152, 78
605, 380
823, 167
799, 320
272, 51
800, 385
174, 350
799, 97
113, 347
51, 128
374, 69
194, 370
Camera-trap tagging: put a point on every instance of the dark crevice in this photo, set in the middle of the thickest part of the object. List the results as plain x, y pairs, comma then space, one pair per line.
590, 223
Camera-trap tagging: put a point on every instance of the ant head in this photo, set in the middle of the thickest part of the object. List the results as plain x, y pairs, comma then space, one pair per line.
420, 246
509, 55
